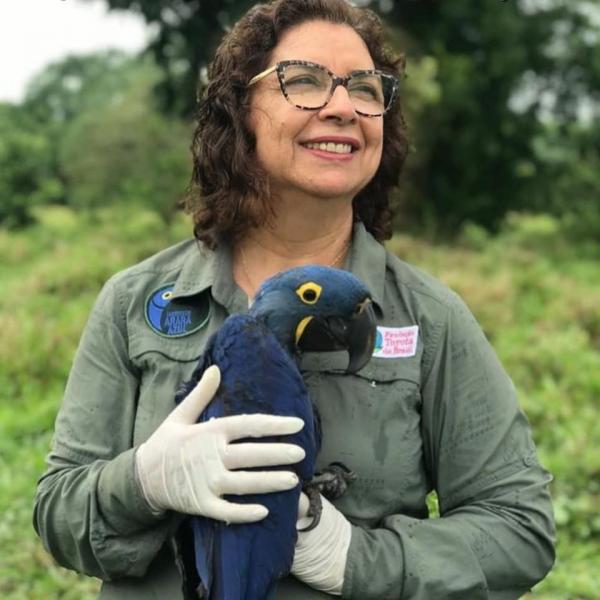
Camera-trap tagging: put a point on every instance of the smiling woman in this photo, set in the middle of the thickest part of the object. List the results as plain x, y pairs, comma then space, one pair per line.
329, 152
329, 144
299, 140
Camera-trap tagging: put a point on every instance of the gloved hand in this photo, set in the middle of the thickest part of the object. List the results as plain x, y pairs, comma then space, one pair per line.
321, 553
186, 466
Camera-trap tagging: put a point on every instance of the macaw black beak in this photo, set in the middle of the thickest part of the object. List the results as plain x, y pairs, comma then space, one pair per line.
356, 335
361, 337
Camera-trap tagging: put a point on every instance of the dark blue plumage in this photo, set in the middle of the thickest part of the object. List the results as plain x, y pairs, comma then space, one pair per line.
255, 354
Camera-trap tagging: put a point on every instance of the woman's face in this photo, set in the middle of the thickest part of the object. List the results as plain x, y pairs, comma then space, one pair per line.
286, 135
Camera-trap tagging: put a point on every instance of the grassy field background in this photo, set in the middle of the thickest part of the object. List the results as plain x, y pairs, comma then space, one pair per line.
536, 294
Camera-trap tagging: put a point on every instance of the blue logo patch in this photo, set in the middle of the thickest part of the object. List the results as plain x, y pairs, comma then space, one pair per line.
175, 319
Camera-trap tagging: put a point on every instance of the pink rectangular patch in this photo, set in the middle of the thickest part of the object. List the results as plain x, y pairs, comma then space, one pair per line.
396, 342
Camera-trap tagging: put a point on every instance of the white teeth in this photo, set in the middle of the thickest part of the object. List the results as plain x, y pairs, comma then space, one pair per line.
330, 147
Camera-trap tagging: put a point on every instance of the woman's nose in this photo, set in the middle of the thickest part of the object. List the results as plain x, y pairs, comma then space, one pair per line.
340, 106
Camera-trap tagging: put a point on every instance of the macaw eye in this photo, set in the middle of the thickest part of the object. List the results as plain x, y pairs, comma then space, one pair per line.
309, 292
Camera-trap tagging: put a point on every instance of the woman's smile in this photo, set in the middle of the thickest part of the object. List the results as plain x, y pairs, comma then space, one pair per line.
332, 147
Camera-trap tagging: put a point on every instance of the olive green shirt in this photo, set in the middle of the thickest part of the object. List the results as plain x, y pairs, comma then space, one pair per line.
437, 412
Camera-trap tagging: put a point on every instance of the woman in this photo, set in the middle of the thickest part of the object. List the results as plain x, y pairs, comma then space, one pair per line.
300, 138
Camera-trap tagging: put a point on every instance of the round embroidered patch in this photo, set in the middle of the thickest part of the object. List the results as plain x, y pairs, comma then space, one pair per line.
179, 318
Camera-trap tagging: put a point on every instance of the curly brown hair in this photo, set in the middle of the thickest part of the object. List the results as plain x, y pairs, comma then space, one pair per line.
229, 192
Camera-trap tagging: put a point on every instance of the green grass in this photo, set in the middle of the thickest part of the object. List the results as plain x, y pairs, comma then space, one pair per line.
535, 295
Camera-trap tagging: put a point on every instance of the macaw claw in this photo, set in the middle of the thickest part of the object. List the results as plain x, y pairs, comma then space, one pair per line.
332, 482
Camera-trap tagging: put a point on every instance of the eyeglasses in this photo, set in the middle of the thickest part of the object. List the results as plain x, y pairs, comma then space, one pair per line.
310, 86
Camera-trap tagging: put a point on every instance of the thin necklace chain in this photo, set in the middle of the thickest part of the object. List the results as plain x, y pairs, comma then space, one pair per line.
333, 263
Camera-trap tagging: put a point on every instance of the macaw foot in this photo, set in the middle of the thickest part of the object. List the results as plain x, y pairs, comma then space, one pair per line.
332, 482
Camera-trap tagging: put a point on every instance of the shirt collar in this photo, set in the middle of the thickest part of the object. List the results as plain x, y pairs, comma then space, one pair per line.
204, 268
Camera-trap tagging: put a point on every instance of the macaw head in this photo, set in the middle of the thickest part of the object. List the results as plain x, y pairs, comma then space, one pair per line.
318, 309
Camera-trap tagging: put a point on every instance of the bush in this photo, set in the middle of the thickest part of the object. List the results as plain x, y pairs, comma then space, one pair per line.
126, 152
26, 178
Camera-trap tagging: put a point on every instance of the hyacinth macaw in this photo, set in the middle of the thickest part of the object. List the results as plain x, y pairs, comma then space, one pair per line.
309, 308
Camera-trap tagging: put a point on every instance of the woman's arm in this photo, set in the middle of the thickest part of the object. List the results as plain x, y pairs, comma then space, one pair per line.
495, 537
89, 511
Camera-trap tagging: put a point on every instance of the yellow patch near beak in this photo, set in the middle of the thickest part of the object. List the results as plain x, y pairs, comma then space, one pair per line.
301, 327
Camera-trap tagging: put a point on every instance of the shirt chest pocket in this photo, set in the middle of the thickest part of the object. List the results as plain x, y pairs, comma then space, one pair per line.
164, 363
371, 423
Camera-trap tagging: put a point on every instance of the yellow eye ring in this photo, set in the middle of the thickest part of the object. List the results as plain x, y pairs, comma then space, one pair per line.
309, 292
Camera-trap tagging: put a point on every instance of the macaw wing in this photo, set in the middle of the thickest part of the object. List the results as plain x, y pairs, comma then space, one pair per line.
257, 376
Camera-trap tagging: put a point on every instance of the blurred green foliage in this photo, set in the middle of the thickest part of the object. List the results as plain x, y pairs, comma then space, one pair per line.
125, 151
26, 175
88, 134
512, 80
532, 290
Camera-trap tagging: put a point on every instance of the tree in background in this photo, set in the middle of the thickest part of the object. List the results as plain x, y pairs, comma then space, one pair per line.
188, 31
66, 88
570, 155
88, 134
31, 133
505, 71
125, 150
26, 174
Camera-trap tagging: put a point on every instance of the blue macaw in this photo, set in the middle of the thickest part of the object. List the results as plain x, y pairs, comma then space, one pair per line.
309, 308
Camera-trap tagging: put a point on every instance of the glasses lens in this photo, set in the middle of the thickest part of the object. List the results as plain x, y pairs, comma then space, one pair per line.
371, 94
306, 85
309, 86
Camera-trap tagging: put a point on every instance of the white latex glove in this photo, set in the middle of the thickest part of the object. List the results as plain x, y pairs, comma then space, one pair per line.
321, 553
186, 466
